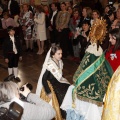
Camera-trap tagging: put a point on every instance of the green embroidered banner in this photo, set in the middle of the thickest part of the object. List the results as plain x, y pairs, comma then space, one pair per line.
91, 78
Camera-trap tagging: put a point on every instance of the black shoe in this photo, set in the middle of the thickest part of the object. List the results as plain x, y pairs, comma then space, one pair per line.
31, 50
27, 50
9, 78
17, 79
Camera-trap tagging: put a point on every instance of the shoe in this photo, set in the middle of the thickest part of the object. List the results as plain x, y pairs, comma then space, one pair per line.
38, 52
41, 52
9, 78
27, 50
31, 50
17, 79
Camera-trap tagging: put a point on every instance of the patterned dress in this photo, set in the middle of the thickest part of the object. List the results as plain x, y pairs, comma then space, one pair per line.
26, 19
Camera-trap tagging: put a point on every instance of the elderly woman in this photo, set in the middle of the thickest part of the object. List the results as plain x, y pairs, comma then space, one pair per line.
34, 109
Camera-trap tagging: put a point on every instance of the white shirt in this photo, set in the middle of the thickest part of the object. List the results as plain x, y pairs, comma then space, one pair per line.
9, 4
53, 16
14, 47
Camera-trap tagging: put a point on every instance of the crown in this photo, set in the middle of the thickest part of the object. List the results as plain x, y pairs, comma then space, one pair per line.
98, 30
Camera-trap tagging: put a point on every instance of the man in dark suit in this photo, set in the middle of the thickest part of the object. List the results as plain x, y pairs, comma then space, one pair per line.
13, 7
52, 26
32, 7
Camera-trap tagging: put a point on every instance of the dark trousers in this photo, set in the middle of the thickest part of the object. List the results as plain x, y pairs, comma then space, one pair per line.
53, 36
62, 39
13, 60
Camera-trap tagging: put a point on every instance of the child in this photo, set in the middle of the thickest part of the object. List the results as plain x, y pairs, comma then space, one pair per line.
113, 52
12, 52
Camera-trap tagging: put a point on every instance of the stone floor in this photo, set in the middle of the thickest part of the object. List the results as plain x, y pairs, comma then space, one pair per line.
31, 65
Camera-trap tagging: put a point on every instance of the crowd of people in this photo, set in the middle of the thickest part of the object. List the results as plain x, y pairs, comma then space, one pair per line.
90, 38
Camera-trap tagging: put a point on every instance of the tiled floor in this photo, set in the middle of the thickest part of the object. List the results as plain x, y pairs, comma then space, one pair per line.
30, 68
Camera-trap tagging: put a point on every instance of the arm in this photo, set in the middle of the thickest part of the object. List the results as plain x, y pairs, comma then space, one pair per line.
13, 23
37, 109
40, 20
57, 20
5, 49
72, 29
19, 46
44, 82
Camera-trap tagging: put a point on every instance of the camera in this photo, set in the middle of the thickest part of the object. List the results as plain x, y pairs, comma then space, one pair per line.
29, 86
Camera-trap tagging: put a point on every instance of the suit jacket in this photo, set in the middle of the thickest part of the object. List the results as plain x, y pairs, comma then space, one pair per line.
54, 20
14, 8
8, 46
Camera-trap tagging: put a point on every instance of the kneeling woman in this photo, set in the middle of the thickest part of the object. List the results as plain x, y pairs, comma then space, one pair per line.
55, 86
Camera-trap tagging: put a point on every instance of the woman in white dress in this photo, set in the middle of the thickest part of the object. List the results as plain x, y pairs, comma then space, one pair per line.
40, 27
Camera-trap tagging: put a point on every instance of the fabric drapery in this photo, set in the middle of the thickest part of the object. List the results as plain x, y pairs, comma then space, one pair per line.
91, 79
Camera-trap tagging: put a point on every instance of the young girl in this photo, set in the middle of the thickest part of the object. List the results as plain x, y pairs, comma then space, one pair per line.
12, 52
51, 78
113, 52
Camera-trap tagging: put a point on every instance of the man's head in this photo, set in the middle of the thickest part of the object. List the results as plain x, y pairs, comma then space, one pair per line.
11, 30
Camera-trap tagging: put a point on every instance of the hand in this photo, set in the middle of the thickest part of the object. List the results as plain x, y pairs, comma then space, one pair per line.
20, 58
25, 92
24, 28
50, 95
6, 60
50, 28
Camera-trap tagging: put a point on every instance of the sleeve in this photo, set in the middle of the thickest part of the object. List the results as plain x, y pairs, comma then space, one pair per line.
5, 50
3, 24
13, 23
72, 29
37, 109
45, 83
41, 20
57, 20
19, 46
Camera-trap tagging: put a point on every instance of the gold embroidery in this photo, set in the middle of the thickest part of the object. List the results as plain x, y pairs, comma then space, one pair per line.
55, 103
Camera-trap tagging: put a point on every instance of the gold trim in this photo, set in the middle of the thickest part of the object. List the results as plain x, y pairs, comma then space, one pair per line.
90, 74
90, 100
55, 103
98, 30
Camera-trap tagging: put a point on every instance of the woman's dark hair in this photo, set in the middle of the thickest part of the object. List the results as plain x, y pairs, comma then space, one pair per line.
10, 28
86, 22
63, 3
76, 10
56, 4
116, 33
110, 12
54, 49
